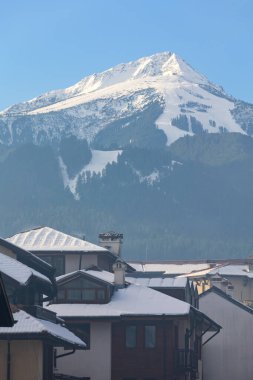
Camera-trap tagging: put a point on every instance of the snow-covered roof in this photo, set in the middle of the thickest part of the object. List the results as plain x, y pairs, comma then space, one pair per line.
134, 300
169, 268
98, 274
158, 282
27, 324
233, 270
49, 239
201, 273
18, 271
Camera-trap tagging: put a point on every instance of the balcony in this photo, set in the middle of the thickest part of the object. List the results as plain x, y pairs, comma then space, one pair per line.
186, 361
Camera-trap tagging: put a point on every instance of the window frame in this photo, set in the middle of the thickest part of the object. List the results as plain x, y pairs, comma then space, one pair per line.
127, 346
153, 337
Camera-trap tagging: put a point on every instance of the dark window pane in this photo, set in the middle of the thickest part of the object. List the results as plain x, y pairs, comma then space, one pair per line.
58, 262
74, 294
130, 336
150, 336
88, 294
61, 294
82, 330
101, 294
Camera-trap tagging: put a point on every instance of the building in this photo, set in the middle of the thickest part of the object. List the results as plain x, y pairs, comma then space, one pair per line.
64, 252
134, 331
230, 354
27, 347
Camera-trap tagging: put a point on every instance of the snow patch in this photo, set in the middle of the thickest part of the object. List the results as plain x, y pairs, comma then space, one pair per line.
96, 165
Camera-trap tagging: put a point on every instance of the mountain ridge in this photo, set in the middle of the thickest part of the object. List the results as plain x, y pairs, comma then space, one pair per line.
189, 104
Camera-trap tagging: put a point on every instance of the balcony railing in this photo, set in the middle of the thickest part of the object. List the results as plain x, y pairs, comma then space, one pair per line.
186, 360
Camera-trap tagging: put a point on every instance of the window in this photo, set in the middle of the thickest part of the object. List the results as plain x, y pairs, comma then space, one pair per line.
82, 330
89, 295
81, 290
58, 262
131, 333
150, 336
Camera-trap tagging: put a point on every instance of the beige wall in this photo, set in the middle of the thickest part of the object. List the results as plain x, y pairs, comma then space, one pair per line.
94, 363
26, 360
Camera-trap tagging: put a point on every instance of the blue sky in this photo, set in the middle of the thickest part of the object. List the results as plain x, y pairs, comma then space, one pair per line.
52, 44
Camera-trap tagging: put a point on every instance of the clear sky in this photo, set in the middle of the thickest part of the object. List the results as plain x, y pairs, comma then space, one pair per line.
51, 44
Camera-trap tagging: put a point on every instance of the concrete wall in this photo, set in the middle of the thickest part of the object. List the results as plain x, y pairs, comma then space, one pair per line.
95, 362
229, 355
26, 360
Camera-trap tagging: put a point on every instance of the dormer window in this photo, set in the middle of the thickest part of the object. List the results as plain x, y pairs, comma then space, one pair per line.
82, 290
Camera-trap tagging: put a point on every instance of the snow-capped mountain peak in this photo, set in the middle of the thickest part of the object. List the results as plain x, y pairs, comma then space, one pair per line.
160, 95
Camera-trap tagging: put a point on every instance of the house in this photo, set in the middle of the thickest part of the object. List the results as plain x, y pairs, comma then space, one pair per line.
26, 348
230, 354
6, 318
134, 331
67, 253
240, 280
206, 273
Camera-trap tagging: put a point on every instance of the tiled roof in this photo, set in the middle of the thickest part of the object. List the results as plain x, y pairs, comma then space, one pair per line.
27, 324
18, 271
46, 239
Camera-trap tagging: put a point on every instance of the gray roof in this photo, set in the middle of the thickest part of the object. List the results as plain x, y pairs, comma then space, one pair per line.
159, 282
233, 270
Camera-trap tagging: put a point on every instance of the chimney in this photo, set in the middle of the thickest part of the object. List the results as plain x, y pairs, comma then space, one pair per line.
119, 268
112, 241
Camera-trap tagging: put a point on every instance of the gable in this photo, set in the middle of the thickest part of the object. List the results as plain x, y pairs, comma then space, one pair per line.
81, 288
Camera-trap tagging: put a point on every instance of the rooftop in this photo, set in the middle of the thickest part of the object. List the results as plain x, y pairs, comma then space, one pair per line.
133, 300
49, 239
19, 272
27, 324
158, 282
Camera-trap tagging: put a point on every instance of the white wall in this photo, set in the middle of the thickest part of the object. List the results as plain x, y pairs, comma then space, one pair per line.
94, 363
229, 355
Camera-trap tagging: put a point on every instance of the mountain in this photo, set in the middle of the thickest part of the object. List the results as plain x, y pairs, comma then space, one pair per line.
150, 148
148, 103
